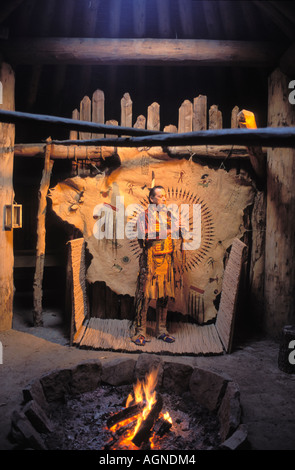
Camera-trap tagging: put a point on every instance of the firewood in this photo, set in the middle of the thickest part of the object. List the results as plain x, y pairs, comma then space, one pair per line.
124, 414
117, 436
246, 119
146, 426
180, 52
7, 136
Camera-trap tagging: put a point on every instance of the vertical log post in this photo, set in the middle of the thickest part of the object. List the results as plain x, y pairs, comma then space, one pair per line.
280, 223
257, 261
111, 122
7, 134
200, 113
74, 136
41, 234
98, 103
234, 118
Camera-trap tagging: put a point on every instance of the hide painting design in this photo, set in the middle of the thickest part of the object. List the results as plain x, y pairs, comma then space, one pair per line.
221, 198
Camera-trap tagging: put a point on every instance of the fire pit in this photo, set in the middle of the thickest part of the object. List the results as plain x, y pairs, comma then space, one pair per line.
104, 419
129, 405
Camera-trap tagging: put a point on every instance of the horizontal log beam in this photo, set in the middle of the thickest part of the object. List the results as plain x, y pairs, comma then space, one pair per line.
263, 137
18, 117
94, 152
97, 51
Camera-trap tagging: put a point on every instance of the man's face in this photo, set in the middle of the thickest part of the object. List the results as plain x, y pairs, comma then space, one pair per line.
159, 197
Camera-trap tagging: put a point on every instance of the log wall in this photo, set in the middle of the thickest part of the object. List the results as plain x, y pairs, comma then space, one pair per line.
193, 115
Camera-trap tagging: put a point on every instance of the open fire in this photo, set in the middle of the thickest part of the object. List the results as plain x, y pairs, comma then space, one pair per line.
139, 415
142, 421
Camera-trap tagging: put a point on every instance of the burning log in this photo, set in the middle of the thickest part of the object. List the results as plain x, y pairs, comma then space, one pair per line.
124, 414
246, 119
146, 426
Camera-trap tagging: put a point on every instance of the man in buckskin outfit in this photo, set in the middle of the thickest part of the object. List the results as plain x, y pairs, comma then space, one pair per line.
156, 274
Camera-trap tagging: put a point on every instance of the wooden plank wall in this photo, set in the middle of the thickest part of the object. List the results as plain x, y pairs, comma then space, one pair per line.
229, 295
193, 115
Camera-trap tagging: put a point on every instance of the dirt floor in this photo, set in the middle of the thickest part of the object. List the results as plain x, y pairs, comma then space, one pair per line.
267, 394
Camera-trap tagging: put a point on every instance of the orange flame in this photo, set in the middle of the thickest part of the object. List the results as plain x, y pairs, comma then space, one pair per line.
247, 119
168, 417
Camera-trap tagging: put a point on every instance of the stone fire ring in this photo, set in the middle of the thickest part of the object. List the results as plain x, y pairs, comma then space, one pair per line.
218, 393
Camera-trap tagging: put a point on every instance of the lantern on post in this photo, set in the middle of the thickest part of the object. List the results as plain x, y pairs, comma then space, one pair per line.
12, 216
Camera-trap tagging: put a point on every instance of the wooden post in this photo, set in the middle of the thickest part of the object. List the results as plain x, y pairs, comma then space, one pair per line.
7, 134
215, 117
126, 111
234, 118
200, 113
286, 351
280, 223
141, 51
140, 122
41, 233
98, 110
85, 115
185, 117
257, 260
114, 123
74, 136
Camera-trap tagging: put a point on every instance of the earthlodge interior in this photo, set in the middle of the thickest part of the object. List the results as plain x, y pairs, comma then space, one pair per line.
105, 106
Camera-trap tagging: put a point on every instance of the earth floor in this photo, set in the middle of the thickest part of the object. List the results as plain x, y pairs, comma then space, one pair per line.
267, 393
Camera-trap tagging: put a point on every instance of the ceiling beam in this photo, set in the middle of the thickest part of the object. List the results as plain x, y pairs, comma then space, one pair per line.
82, 51
8, 8
265, 137
287, 63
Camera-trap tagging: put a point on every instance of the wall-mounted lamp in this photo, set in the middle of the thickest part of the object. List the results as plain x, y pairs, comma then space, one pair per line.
13, 216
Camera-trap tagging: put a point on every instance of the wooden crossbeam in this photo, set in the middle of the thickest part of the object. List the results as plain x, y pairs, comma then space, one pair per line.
101, 51
264, 137
96, 152
16, 117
